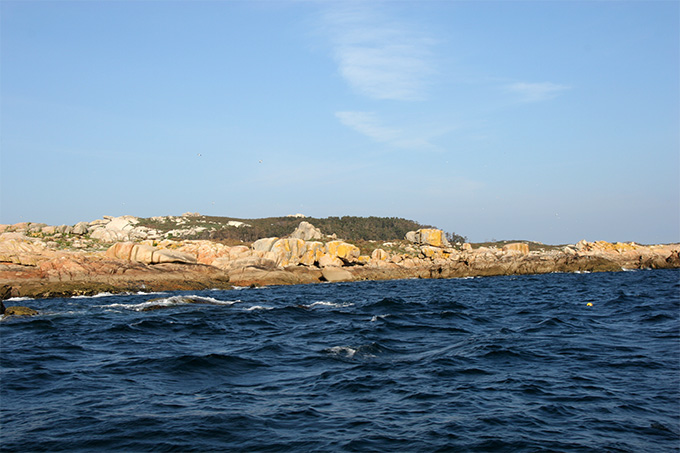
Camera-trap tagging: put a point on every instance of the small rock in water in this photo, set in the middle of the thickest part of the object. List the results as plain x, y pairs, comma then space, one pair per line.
19, 311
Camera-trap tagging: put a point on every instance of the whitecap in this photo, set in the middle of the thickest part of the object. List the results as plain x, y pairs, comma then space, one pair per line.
376, 317
18, 299
259, 307
171, 301
210, 300
324, 303
344, 351
94, 296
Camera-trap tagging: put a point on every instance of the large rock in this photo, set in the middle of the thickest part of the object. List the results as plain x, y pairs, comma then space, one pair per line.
313, 253
288, 251
430, 252
328, 260
110, 235
336, 274
19, 249
379, 255
239, 251
115, 229
343, 250
306, 231
252, 276
172, 256
205, 251
246, 261
518, 247
121, 250
81, 228
264, 245
147, 254
428, 236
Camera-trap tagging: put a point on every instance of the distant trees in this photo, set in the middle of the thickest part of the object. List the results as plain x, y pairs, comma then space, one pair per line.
349, 228
454, 238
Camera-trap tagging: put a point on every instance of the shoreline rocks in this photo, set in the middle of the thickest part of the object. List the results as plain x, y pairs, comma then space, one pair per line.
35, 267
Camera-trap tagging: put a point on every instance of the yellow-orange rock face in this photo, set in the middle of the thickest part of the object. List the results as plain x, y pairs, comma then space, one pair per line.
517, 246
343, 250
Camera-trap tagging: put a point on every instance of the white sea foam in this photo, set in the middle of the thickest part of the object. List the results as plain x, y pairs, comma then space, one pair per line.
376, 317
171, 301
324, 303
17, 299
259, 307
345, 351
107, 294
94, 296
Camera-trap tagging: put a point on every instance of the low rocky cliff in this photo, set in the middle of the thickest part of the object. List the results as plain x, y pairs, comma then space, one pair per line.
114, 255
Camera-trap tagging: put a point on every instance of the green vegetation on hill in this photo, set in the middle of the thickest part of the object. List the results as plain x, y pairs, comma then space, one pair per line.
349, 228
533, 246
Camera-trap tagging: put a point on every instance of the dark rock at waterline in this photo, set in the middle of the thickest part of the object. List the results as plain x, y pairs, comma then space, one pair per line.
154, 307
6, 293
19, 311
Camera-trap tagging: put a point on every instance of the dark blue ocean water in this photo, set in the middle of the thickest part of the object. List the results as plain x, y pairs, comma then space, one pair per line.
483, 364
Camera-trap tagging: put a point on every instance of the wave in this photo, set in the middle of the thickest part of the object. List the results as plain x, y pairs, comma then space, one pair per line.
18, 299
186, 364
381, 317
170, 302
365, 351
93, 296
323, 303
258, 307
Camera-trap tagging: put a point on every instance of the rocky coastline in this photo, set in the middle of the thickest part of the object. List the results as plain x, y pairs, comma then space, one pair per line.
115, 254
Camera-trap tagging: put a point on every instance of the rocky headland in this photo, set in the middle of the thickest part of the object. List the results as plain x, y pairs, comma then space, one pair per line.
120, 254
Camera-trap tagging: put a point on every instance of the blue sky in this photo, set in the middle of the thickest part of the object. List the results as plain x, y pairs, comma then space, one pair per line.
550, 121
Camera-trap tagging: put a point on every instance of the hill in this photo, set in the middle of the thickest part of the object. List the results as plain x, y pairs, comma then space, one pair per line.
231, 229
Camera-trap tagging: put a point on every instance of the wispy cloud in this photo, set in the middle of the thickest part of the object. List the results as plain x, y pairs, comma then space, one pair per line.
370, 125
378, 56
536, 92
367, 123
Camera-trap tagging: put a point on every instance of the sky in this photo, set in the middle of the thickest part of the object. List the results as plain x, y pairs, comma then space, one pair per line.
551, 121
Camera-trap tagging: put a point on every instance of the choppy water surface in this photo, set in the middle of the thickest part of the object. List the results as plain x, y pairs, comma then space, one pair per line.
483, 364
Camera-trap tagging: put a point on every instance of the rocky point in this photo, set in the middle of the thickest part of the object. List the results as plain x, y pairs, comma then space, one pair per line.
117, 254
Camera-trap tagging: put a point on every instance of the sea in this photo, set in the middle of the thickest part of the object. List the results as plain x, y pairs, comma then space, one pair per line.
547, 363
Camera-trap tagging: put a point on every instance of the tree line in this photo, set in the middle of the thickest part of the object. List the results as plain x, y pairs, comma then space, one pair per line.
349, 228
